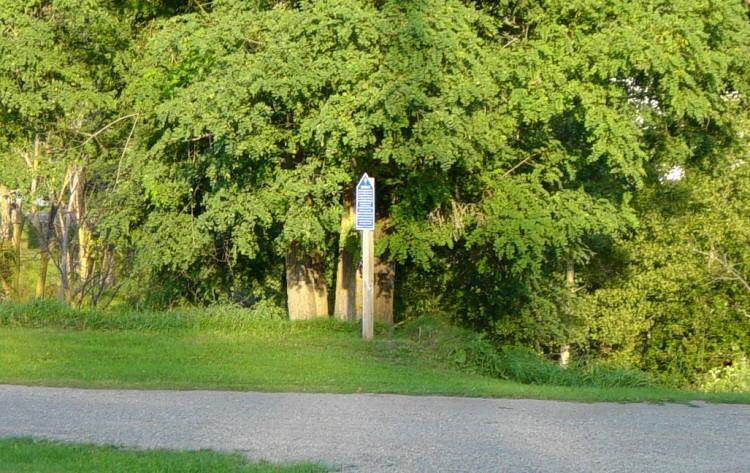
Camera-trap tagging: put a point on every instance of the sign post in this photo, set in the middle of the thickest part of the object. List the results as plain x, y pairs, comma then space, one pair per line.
365, 222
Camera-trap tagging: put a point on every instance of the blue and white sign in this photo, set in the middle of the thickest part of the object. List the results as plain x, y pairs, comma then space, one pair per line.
365, 214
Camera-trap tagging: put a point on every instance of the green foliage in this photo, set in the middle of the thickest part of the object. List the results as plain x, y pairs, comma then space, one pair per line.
474, 352
523, 365
7, 260
732, 378
679, 308
511, 142
300, 101
62, 132
57, 83
602, 99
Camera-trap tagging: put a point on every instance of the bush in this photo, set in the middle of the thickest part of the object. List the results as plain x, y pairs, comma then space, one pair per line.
525, 366
732, 378
474, 352
7, 262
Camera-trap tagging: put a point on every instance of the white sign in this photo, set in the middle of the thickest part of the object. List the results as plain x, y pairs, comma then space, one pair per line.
365, 218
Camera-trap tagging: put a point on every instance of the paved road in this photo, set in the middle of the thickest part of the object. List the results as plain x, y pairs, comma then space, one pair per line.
384, 433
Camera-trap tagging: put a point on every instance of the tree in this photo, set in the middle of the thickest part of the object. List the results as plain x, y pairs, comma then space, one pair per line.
678, 306
598, 97
58, 83
302, 104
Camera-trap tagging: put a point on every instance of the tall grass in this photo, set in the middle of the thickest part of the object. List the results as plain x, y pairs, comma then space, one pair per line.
263, 317
472, 352
522, 365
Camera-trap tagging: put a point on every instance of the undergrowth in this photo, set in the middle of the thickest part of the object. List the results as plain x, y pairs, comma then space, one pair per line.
471, 351
263, 318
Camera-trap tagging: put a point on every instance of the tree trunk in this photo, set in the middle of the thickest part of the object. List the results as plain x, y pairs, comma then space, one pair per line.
348, 305
6, 271
320, 289
307, 293
41, 282
6, 227
345, 304
385, 281
347, 281
570, 280
64, 224
565, 355
18, 219
85, 258
105, 278
44, 223
78, 207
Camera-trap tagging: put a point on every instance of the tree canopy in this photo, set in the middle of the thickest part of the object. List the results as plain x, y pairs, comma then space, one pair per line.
524, 152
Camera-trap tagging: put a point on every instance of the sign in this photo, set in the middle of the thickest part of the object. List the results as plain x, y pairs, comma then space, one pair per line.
364, 220
365, 204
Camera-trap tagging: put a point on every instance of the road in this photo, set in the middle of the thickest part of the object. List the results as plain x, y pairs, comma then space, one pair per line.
388, 433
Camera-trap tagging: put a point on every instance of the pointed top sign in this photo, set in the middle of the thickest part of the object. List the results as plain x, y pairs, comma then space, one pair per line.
365, 182
365, 205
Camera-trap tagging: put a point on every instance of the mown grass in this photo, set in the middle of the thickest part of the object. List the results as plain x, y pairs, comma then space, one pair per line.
232, 349
35, 456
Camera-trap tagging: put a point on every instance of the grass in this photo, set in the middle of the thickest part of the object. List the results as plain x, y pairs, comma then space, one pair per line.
472, 352
34, 456
229, 349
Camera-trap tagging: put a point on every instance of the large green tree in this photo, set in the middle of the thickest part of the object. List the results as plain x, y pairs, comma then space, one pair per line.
262, 118
679, 304
604, 98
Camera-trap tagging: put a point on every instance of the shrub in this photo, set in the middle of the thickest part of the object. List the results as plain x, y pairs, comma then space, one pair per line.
525, 366
7, 262
732, 378
474, 352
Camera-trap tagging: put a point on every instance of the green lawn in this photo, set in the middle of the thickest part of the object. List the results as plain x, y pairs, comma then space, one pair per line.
275, 357
31, 456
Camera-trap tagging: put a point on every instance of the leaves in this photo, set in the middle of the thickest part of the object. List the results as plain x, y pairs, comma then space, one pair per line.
508, 139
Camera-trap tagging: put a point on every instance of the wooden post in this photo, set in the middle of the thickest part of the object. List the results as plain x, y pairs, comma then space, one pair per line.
368, 276
365, 222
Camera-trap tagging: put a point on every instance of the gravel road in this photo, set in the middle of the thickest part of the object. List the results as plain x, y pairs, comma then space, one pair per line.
386, 433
